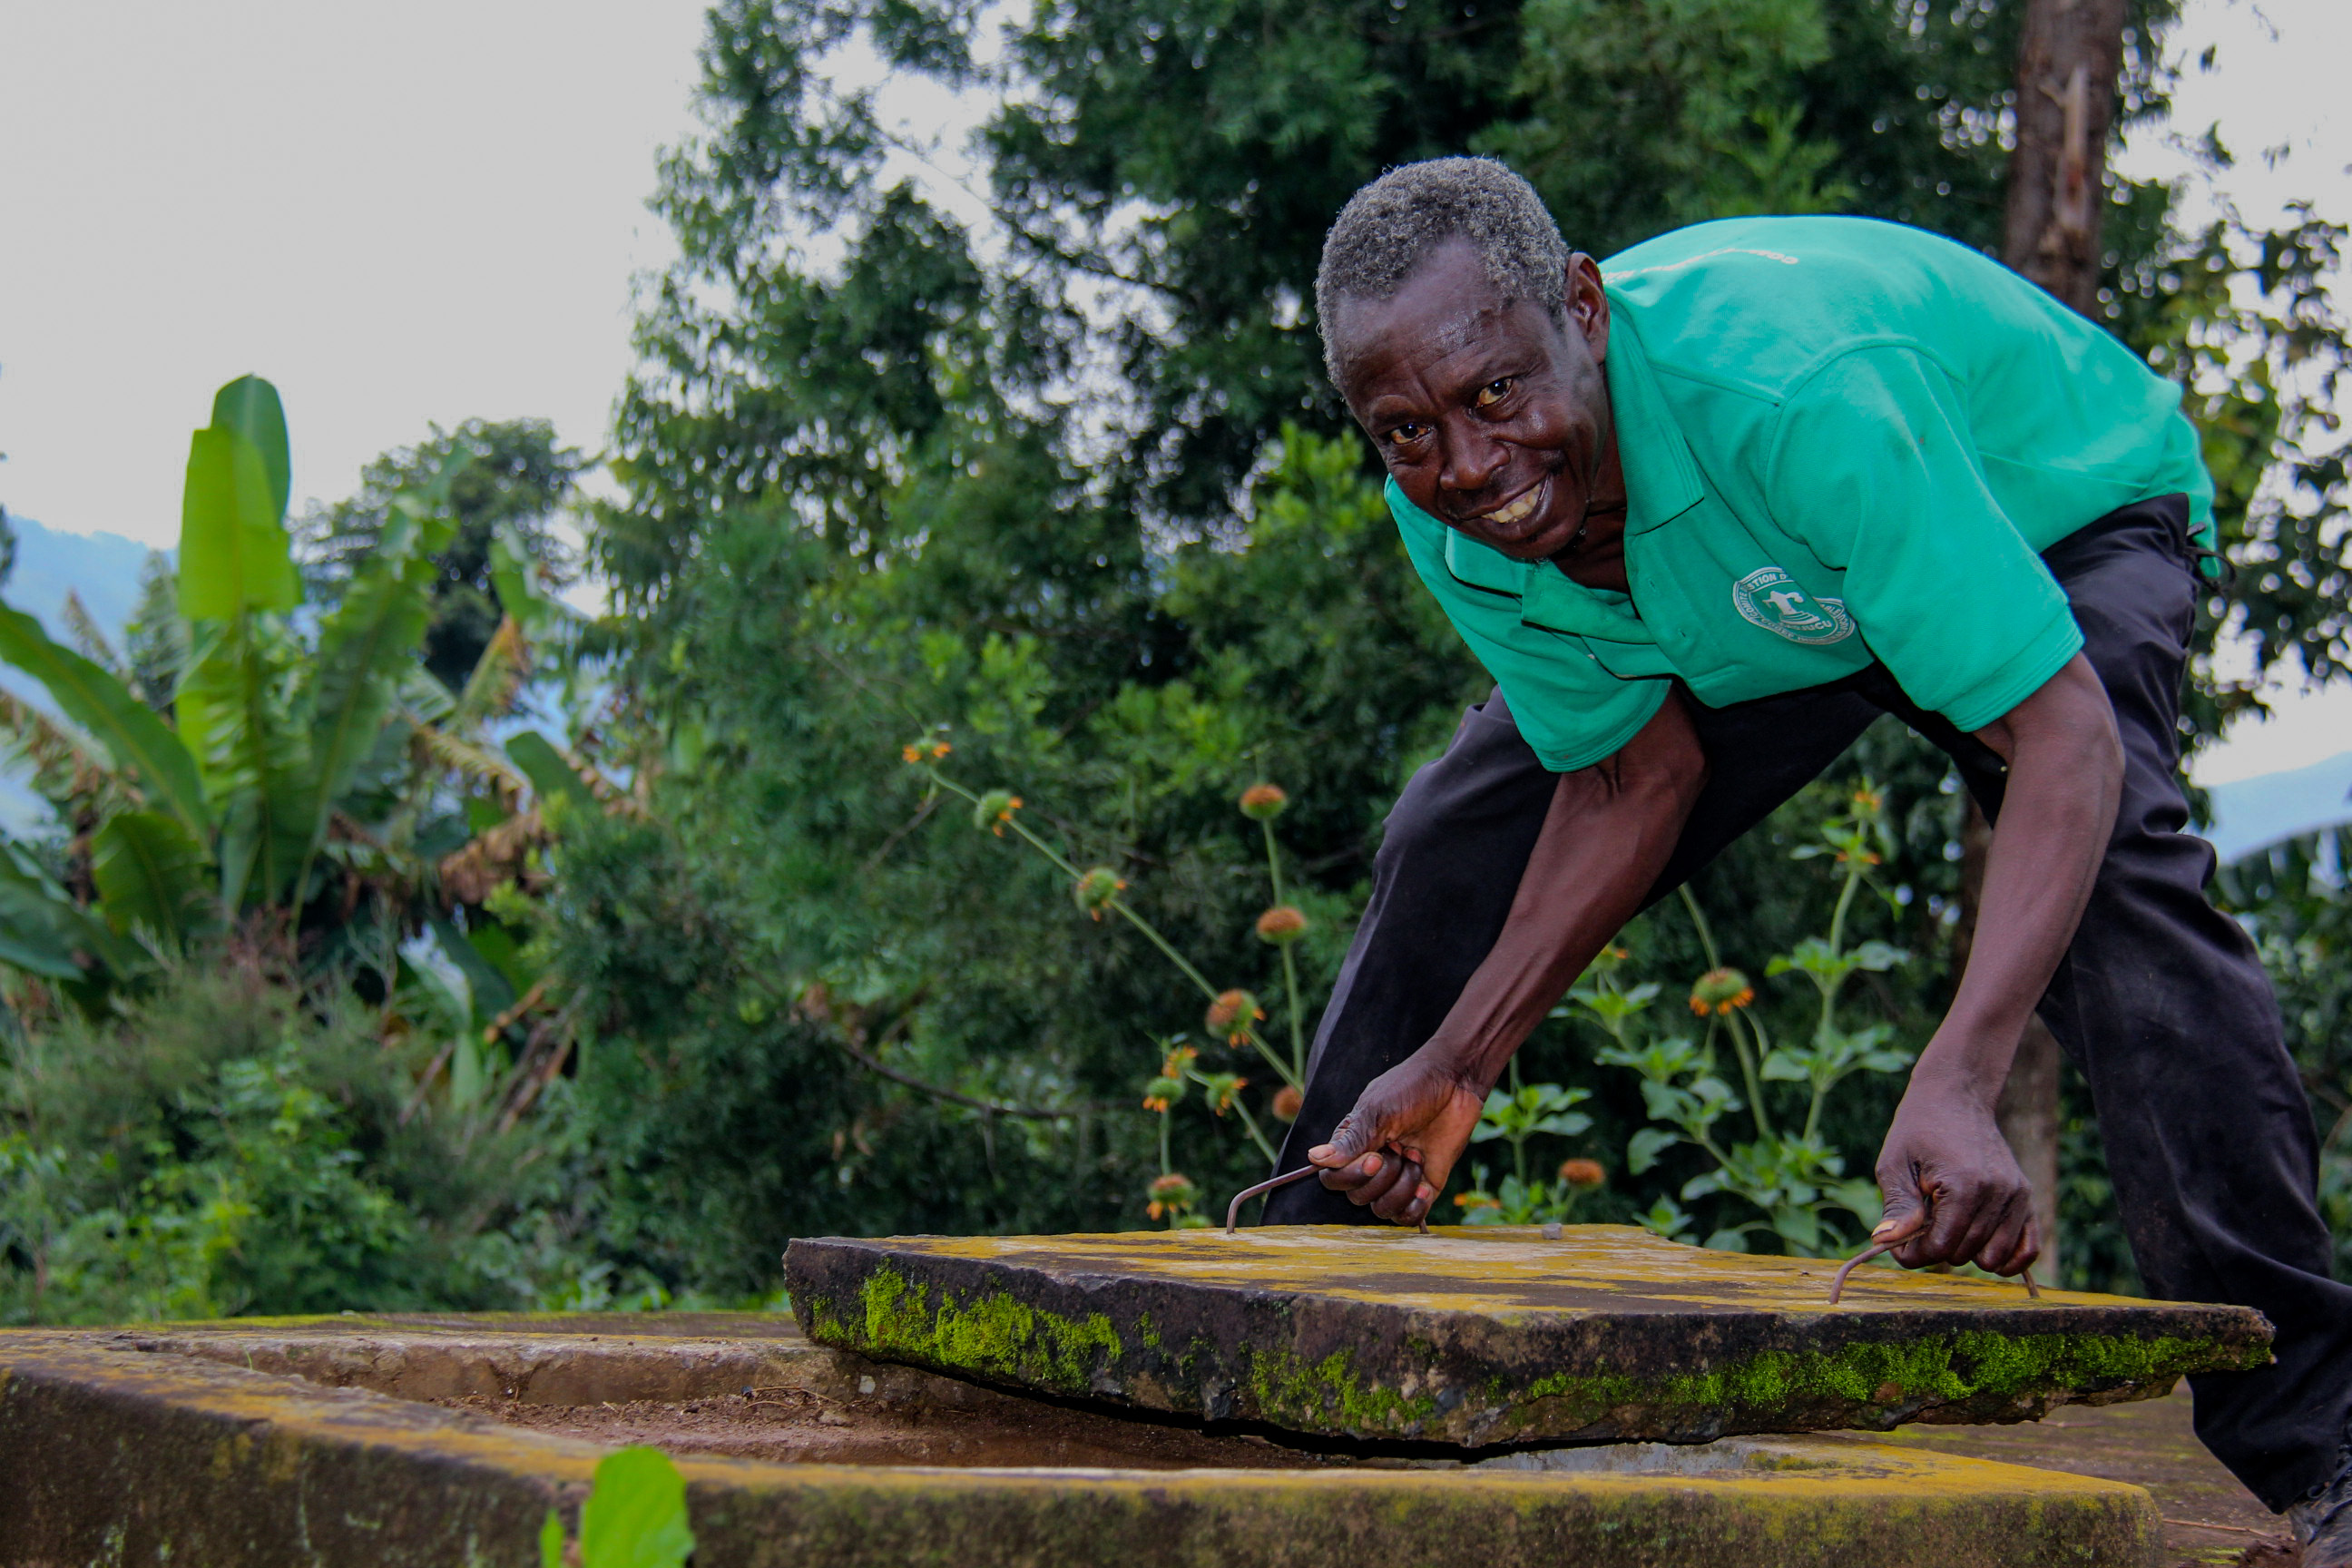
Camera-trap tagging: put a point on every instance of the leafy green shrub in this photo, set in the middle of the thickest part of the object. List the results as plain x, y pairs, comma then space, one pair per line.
220, 1148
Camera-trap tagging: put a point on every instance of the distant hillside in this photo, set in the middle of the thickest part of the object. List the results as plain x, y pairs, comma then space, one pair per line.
102, 567
2254, 813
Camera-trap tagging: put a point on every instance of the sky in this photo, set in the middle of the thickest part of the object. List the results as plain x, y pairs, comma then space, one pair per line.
421, 213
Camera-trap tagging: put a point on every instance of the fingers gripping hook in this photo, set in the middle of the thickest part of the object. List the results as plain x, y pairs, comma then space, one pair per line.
1837, 1286
1234, 1209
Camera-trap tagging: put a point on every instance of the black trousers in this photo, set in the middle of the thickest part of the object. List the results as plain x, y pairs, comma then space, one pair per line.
2160, 1000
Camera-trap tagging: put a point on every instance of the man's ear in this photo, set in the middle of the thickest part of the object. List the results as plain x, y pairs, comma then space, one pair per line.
1588, 304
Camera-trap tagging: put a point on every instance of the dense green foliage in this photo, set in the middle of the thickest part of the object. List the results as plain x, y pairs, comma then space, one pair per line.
1064, 489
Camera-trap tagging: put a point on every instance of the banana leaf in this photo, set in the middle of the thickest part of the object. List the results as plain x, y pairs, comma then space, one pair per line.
491, 990
249, 406
548, 773
152, 876
138, 741
235, 699
234, 553
43, 931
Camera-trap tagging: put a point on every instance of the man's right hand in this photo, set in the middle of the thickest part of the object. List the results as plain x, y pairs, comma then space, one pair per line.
1394, 1151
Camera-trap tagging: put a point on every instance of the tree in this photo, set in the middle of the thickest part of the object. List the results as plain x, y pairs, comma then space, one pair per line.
515, 481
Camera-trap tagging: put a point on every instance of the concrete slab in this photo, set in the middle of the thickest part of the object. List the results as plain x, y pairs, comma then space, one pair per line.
1490, 1334
154, 1445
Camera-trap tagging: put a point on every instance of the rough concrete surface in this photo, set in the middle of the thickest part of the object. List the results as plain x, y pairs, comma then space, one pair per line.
154, 1446
1490, 1334
2209, 1518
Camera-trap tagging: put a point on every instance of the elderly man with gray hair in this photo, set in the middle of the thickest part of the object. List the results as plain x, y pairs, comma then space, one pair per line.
1707, 511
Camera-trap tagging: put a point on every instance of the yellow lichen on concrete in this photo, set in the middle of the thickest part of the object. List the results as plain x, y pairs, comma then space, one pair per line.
1828, 1503
106, 1451
1495, 1271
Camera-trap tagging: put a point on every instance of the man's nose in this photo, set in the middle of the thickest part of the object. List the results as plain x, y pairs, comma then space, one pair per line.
1473, 460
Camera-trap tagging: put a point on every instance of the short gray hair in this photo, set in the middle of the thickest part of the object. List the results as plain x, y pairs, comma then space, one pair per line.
1388, 227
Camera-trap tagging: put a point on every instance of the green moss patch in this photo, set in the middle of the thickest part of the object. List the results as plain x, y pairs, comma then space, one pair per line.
1291, 1391
990, 1334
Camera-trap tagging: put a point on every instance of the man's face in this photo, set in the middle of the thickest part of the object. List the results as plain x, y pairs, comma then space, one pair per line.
1491, 417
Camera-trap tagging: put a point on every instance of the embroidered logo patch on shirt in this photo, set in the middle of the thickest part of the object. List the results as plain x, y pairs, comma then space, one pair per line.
1769, 598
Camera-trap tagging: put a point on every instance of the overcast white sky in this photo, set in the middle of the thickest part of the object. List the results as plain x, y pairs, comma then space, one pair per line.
433, 210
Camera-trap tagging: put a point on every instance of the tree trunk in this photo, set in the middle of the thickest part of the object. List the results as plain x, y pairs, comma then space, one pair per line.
2067, 65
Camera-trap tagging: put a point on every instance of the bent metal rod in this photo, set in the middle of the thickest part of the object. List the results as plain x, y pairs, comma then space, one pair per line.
1234, 1209
1837, 1286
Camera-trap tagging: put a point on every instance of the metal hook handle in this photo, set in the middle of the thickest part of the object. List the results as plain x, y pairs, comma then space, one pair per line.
1837, 1286
1234, 1209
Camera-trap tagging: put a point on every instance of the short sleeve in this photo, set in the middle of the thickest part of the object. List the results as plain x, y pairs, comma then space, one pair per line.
1872, 467
1572, 711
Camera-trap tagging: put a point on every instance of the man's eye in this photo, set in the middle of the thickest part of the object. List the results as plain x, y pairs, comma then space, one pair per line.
1404, 435
1494, 392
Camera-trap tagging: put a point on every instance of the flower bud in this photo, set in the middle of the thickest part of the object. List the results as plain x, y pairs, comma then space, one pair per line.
1233, 1013
1221, 1087
1162, 1092
1281, 925
1174, 1190
1286, 1101
1264, 802
1720, 991
994, 810
1095, 889
1582, 1175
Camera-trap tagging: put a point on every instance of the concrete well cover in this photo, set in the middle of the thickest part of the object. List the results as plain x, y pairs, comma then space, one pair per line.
1493, 1334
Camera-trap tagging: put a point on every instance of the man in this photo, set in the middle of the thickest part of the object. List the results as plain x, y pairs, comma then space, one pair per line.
1707, 514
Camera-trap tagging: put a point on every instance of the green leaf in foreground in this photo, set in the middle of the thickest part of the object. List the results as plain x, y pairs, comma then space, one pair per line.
636, 1518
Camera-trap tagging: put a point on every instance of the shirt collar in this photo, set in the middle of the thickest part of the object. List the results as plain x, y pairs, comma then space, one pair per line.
1662, 479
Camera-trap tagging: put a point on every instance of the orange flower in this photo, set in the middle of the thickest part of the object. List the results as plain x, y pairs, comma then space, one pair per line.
1867, 800
1170, 1193
1582, 1173
1262, 802
929, 751
1233, 1013
1720, 991
1476, 1201
1286, 1101
1221, 1087
1282, 925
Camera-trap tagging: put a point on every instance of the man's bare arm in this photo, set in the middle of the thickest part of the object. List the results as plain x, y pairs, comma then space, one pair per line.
1606, 838
1951, 1184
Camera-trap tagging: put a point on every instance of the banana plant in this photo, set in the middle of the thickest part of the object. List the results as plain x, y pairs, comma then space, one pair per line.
295, 748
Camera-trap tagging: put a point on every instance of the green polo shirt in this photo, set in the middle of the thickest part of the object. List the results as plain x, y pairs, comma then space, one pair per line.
1844, 441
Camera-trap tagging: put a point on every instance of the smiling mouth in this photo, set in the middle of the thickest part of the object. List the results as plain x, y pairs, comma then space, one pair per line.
1512, 513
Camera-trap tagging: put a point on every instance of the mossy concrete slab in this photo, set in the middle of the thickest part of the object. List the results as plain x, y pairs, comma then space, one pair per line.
1491, 1335
123, 1448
